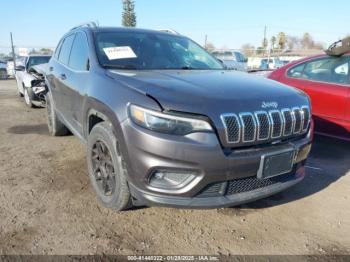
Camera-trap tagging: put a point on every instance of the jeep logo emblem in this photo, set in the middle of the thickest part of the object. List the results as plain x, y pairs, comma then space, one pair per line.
269, 104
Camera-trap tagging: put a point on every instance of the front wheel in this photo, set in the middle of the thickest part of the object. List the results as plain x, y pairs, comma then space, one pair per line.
27, 97
54, 124
107, 169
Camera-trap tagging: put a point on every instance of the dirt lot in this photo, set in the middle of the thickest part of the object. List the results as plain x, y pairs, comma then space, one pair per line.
47, 205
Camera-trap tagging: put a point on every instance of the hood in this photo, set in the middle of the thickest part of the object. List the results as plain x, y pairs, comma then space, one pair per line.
41, 68
210, 92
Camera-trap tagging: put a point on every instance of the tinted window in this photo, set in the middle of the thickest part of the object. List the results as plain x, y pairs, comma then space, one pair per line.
296, 71
332, 70
79, 55
37, 60
65, 49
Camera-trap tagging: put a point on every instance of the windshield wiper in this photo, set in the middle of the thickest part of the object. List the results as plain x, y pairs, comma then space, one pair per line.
187, 68
179, 68
128, 67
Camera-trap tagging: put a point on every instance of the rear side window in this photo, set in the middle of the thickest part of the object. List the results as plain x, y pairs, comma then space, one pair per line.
331, 70
79, 55
65, 49
240, 57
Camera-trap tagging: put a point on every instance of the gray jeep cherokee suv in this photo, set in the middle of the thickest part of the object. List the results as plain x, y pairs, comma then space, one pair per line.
165, 124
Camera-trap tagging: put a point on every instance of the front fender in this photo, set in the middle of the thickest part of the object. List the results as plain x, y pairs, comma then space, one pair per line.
27, 80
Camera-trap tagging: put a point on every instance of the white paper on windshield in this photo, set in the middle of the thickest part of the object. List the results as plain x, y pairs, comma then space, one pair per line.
119, 52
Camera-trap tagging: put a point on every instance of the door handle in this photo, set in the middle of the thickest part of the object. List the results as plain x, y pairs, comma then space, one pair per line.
63, 76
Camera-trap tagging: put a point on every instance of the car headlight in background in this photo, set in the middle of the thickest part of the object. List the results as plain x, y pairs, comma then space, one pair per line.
164, 123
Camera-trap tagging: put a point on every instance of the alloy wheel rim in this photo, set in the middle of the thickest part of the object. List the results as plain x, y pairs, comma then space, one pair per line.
103, 168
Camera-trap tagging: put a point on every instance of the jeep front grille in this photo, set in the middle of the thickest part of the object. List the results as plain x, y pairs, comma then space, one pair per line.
248, 127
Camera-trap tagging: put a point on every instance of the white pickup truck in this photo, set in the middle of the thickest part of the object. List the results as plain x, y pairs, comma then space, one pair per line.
233, 60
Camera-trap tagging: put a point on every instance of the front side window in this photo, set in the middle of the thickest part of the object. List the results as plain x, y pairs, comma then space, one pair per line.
79, 55
65, 49
147, 51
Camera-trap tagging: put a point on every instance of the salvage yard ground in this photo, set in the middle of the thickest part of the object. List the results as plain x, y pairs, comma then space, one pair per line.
47, 205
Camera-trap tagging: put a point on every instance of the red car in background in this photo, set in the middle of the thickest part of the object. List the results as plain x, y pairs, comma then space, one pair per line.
326, 80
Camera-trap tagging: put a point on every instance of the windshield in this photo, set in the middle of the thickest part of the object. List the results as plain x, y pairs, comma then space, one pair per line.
37, 60
223, 55
147, 51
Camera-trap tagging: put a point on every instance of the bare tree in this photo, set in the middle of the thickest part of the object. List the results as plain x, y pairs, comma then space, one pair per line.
307, 42
248, 49
45, 51
209, 46
293, 42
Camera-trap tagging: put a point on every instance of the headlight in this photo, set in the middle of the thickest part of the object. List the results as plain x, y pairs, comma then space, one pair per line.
165, 123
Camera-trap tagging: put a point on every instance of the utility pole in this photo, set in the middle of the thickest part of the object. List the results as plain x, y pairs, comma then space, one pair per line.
13, 52
265, 39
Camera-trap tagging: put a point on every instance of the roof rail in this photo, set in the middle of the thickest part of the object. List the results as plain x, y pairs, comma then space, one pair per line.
170, 31
87, 24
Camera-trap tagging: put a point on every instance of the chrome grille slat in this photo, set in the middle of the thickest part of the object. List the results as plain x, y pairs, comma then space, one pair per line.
248, 127
232, 127
264, 125
307, 118
289, 122
298, 120
277, 123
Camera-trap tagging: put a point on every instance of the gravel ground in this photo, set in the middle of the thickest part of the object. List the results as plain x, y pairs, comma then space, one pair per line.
47, 205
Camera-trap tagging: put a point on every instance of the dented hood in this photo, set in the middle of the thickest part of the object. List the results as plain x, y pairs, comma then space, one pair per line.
208, 92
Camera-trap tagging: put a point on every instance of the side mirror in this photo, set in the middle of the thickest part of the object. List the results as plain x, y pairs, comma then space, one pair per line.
222, 62
19, 68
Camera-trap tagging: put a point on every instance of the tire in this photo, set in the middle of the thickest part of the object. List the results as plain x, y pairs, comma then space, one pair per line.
107, 173
55, 126
3, 74
27, 97
18, 92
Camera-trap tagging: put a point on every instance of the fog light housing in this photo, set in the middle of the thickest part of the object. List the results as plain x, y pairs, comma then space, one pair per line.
171, 179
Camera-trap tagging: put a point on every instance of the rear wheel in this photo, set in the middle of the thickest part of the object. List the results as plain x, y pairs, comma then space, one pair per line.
54, 124
106, 168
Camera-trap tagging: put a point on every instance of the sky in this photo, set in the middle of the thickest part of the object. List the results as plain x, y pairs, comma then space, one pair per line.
227, 23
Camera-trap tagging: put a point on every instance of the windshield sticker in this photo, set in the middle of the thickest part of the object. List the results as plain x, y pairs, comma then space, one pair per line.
119, 52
